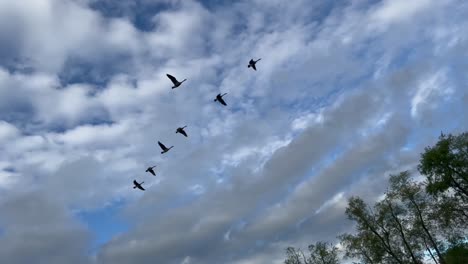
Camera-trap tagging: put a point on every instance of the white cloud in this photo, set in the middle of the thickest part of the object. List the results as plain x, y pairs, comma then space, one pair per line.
97, 135
394, 11
335, 199
431, 92
8, 131
42, 23
304, 121
186, 260
326, 116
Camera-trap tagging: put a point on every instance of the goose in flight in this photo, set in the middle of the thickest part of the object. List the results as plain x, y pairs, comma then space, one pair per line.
252, 64
138, 185
220, 99
181, 131
175, 81
164, 148
150, 170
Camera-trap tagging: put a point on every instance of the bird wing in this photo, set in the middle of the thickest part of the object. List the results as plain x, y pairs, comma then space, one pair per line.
135, 182
183, 133
140, 187
152, 171
221, 100
253, 66
172, 78
162, 145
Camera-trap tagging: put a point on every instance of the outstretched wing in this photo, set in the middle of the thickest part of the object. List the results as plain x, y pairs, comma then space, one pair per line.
221, 100
253, 67
151, 171
135, 182
161, 145
173, 79
183, 133
140, 187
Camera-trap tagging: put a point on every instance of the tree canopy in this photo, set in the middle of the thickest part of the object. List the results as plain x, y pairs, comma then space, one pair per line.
416, 221
319, 253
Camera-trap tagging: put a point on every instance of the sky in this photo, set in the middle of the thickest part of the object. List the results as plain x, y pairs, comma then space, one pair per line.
346, 93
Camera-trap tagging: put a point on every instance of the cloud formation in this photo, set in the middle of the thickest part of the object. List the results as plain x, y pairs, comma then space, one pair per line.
345, 94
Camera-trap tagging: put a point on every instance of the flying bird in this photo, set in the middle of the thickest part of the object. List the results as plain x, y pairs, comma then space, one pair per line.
181, 131
138, 185
164, 148
175, 81
150, 170
252, 64
220, 99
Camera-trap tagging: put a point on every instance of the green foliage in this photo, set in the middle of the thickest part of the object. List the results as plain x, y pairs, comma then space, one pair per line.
319, 253
323, 253
294, 256
364, 246
457, 254
383, 234
415, 220
446, 165
406, 225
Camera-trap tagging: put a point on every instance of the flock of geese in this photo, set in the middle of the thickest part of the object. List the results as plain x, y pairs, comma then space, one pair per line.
180, 130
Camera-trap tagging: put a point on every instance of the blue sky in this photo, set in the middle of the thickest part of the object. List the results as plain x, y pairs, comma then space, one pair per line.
346, 93
105, 223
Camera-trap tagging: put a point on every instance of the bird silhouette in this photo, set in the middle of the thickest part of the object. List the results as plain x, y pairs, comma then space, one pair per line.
175, 81
164, 148
252, 64
150, 170
181, 131
138, 185
220, 99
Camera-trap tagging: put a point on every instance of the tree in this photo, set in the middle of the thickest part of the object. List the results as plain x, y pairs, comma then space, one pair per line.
377, 233
364, 246
446, 165
319, 253
457, 254
421, 208
294, 256
414, 220
323, 253
407, 224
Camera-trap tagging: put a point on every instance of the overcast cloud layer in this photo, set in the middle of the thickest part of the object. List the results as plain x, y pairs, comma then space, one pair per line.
346, 93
